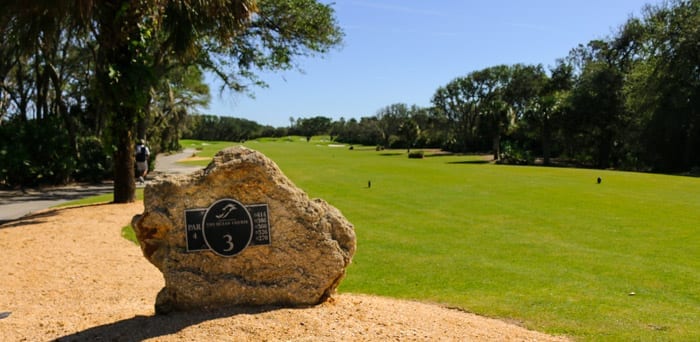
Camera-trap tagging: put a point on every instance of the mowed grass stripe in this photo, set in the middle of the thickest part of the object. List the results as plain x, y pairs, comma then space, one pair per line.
545, 246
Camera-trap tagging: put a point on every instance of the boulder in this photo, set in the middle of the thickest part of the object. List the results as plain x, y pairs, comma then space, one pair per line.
240, 233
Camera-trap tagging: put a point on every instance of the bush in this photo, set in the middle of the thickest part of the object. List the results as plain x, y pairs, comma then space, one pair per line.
514, 154
35, 152
41, 152
416, 155
93, 163
695, 171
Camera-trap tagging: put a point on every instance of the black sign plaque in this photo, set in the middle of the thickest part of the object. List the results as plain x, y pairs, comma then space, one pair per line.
261, 224
193, 226
228, 224
227, 227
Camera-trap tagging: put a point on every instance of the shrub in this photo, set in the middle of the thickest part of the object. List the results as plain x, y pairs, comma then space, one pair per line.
35, 152
93, 163
416, 155
515, 154
695, 171
41, 152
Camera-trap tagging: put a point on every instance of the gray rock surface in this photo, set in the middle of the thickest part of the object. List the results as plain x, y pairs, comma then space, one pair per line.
310, 242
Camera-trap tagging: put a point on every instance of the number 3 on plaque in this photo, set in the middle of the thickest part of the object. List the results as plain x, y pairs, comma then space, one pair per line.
229, 243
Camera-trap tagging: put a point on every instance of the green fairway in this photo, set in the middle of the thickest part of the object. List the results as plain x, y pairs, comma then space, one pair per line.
547, 247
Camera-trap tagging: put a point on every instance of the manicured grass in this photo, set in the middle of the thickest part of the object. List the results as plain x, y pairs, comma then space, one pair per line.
129, 234
547, 247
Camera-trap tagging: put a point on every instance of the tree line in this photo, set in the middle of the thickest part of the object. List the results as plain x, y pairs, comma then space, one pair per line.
630, 101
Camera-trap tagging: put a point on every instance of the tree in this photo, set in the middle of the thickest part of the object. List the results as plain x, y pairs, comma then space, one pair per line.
493, 106
665, 86
313, 126
458, 103
544, 103
598, 109
138, 42
477, 106
182, 91
337, 128
389, 121
410, 132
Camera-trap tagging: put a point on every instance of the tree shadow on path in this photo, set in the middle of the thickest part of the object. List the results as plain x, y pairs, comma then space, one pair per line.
28, 220
54, 194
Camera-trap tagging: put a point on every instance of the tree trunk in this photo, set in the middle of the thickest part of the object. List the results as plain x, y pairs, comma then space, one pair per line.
39, 89
124, 82
61, 109
546, 142
604, 150
124, 179
496, 146
23, 99
141, 128
692, 142
547, 159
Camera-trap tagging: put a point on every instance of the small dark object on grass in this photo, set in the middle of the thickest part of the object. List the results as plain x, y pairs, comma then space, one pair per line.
369, 184
599, 180
416, 155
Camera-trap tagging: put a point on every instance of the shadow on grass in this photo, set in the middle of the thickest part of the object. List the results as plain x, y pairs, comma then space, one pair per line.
141, 328
473, 162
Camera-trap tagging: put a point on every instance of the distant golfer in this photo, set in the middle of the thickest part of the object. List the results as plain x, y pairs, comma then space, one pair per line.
142, 154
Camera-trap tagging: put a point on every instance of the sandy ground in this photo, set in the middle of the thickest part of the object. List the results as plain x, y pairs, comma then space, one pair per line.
69, 275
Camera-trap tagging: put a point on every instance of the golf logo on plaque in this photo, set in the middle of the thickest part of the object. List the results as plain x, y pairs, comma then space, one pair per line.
227, 227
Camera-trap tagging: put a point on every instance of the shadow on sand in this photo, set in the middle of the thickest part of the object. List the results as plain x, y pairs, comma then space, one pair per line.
141, 328
27, 220
36, 218
55, 194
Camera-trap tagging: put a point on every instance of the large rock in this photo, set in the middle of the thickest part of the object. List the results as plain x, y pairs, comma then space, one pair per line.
217, 243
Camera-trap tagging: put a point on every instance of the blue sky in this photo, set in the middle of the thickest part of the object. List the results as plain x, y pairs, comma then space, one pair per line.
401, 51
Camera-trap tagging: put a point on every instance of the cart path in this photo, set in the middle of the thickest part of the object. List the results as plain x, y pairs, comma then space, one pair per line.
15, 204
